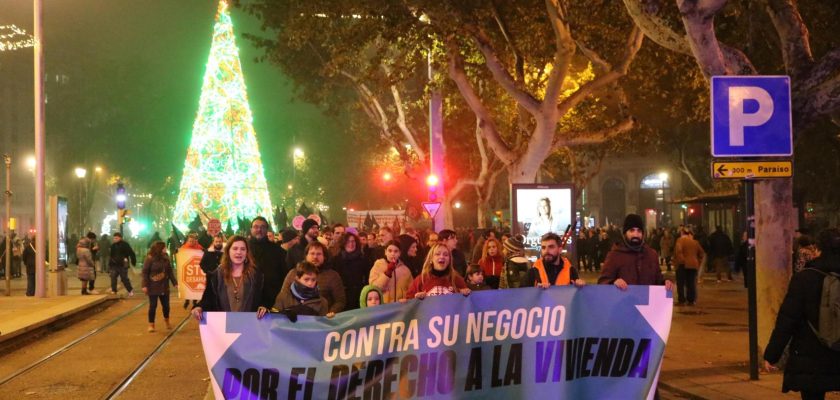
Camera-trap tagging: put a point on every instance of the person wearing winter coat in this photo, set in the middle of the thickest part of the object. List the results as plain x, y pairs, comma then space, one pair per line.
84, 259
157, 273
632, 262
330, 285
720, 248
352, 266
688, 255
516, 265
303, 296
438, 276
813, 368
666, 244
391, 275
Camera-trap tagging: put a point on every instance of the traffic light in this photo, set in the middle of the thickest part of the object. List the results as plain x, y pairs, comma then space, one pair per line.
121, 196
123, 216
432, 183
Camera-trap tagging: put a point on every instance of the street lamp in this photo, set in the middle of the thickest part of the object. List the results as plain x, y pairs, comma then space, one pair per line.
81, 173
30, 163
663, 178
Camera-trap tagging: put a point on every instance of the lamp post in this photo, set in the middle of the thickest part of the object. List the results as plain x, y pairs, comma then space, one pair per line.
81, 173
8, 161
663, 178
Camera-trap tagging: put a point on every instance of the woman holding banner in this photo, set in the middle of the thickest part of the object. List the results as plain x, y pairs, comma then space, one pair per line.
438, 277
157, 273
236, 286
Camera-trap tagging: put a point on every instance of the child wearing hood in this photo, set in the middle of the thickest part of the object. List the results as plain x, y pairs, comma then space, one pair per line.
371, 296
302, 297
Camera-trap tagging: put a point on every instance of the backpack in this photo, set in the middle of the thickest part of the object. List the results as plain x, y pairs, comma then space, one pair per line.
828, 330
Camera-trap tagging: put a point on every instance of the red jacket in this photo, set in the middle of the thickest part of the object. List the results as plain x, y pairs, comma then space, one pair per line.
635, 267
434, 286
492, 266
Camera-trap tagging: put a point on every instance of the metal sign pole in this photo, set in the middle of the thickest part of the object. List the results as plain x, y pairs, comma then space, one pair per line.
751, 278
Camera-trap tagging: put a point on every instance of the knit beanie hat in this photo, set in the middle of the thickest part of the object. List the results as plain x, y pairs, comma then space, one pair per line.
633, 221
288, 235
309, 223
514, 244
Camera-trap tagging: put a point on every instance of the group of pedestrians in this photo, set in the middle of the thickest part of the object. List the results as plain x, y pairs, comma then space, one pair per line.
120, 257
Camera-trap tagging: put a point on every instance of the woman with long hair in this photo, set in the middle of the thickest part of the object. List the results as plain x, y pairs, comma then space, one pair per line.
437, 277
157, 273
492, 262
236, 286
410, 254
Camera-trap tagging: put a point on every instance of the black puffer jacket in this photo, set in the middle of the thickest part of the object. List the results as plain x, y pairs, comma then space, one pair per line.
812, 366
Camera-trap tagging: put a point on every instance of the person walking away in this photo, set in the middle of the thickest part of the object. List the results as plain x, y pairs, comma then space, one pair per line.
666, 244
157, 273
720, 247
516, 264
85, 263
804, 322
122, 257
806, 252
552, 269
688, 255
104, 252
631, 262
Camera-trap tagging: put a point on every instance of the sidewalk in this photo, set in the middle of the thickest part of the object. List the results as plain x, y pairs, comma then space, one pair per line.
707, 354
20, 314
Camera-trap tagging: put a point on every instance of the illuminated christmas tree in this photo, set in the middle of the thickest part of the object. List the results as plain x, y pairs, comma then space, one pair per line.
223, 174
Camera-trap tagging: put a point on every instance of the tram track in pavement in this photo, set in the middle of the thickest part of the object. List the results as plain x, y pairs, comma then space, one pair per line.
124, 384
68, 346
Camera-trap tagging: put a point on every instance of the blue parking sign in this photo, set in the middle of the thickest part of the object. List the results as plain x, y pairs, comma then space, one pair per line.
751, 116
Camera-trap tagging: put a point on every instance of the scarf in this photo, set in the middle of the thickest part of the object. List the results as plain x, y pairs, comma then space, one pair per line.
304, 293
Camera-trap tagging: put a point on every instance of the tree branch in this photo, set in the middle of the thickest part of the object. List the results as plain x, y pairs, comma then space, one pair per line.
406, 131
713, 57
489, 129
645, 14
501, 74
564, 50
687, 171
633, 44
594, 137
793, 35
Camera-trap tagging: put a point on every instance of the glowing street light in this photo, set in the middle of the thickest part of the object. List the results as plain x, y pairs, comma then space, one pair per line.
98, 169
30, 163
457, 204
387, 177
81, 172
298, 153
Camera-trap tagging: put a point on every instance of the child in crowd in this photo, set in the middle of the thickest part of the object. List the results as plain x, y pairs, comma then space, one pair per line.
438, 276
475, 278
371, 296
301, 297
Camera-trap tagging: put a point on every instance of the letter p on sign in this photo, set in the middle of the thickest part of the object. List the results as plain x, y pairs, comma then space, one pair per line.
751, 116
739, 118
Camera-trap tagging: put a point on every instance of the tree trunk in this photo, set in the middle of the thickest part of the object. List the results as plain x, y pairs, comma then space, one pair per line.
774, 241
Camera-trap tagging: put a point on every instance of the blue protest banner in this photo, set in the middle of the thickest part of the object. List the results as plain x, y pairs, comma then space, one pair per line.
595, 342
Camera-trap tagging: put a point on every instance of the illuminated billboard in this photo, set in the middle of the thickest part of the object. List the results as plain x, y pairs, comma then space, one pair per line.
541, 208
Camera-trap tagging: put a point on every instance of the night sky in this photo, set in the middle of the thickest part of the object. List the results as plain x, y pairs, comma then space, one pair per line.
147, 59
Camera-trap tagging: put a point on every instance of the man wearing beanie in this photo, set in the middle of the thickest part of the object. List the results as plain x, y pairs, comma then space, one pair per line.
308, 233
632, 262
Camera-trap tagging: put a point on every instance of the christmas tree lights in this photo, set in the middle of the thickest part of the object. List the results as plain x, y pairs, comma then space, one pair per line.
223, 175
